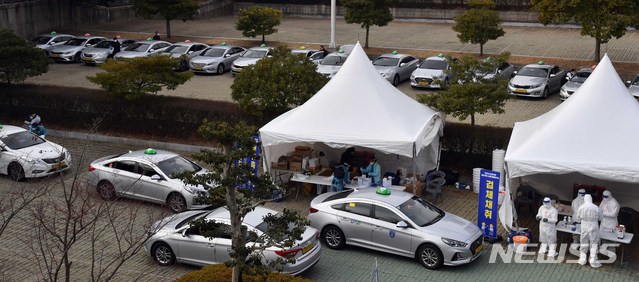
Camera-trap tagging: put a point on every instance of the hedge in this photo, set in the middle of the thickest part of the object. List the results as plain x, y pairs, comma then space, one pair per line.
222, 273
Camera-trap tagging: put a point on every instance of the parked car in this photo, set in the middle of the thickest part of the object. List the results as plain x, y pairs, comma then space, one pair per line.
250, 57
71, 51
536, 80
141, 49
184, 51
216, 59
431, 70
398, 223
47, 41
395, 67
147, 175
175, 241
505, 70
99, 53
26, 155
574, 83
330, 65
633, 87
315, 56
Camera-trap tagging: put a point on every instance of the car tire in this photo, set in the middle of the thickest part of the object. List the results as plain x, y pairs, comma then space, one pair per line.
176, 202
163, 254
77, 58
106, 190
430, 256
444, 84
396, 80
15, 171
545, 93
183, 66
333, 237
220, 69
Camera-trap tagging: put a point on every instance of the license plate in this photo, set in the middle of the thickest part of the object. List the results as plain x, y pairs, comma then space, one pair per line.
479, 248
58, 165
55, 56
521, 91
198, 68
86, 59
308, 248
424, 82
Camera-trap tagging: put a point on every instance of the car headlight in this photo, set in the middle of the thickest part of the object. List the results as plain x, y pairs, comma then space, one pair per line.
188, 189
67, 155
511, 84
29, 160
386, 74
68, 52
99, 55
453, 243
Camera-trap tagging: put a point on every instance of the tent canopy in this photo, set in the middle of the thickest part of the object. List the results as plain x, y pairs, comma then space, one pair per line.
357, 107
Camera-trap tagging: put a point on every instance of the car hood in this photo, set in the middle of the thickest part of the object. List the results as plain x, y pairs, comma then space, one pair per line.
206, 60
428, 73
327, 69
66, 48
46, 150
131, 54
199, 188
572, 86
243, 62
94, 51
384, 69
634, 90
453, 227
527, 80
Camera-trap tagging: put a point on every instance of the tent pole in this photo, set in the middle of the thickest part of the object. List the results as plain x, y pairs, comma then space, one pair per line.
439, 154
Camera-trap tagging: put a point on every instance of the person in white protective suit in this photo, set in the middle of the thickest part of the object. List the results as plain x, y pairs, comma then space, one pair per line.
547, 216
576, 203
609, 209
589, 216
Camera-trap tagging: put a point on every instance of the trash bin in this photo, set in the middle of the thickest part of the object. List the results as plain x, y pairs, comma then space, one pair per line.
520, 243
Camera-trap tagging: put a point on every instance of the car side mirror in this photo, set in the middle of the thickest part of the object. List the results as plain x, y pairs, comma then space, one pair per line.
189, 52
184, 232
402, 64
498, 71
552, 75
156, 177
151, 50
515, 72
628, 82
402, 224
227, 55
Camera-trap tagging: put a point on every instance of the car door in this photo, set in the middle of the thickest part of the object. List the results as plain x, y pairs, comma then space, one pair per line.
408, 67
122, 174
555, 79
152, 190
387, 236
222, 244
194, 248
355, 221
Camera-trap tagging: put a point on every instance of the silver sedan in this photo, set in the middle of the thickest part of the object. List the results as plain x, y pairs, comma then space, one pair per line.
633, 87
574, 83
99, 53
141, 49
173, 240
398, 223
71, 51
431, 70
250, 57
147, 175
184, 51
216, 59
395, 67
536, 80
46, 42
331, 64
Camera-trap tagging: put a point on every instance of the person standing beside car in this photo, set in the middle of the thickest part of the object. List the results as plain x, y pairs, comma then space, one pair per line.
116, 46
156, 36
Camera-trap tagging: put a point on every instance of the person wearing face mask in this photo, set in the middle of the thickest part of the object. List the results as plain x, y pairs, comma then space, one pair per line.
374, 171
609, 208
547, 216
576, 203
589, 216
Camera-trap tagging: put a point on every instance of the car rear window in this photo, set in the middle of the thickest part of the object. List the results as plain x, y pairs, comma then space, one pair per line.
337, 196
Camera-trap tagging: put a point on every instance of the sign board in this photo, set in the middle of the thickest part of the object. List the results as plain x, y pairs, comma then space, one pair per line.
487, 206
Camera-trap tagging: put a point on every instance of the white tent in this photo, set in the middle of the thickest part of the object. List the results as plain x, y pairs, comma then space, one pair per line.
590, 138
358, 107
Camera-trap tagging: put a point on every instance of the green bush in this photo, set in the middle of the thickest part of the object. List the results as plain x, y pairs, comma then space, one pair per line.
222, 273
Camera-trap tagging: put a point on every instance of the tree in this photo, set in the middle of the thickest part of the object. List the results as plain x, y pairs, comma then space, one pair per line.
134, 78
368, 13
275, 84
19, 59
230, 174
474, 92
258, 20
479, 24
600, 19
167, 9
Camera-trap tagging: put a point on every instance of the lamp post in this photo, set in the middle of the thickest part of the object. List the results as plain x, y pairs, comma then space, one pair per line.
333, 44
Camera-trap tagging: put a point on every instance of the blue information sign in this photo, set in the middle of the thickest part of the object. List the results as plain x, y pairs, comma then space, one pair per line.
254, 163
487, 206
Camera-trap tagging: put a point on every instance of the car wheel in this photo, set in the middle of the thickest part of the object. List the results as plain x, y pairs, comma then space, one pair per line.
176, 203
396, 80
15, 171
545, 93
333, 237
445, 83
106, 190
430, 256
220, 69
183, 66
77, 58
163, 254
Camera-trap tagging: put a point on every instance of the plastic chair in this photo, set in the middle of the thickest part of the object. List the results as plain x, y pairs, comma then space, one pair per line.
434, 187
435, 174
526, 195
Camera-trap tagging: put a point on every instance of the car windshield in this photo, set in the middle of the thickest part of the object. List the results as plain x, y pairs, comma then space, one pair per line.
75, 42
580, 77
138, 47
386, 62
214, 52
254, 54
332, 61
191, 218
41, 40
177, 165
177, 49
421, 212
106, 44
534, 72
434, 65
22, 139
635, 81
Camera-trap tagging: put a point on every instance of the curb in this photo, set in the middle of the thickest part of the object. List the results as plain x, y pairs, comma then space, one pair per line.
131, 141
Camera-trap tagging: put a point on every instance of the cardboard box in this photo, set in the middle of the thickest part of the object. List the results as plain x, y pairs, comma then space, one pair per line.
303, 149
295, 166
279, 165
418, 192
316, 169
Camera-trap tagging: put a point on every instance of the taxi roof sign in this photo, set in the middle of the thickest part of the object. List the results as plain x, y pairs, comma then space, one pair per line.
383, 191
394, 52
150, 151
541, 63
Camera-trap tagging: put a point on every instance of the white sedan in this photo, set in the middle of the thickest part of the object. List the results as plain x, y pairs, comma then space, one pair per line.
26, 155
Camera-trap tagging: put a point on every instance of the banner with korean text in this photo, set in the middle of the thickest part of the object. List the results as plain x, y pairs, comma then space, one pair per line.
487, 206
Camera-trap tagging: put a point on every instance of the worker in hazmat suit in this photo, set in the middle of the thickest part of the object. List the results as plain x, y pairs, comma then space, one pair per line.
609, 209
576, 203
547, 216
589, 216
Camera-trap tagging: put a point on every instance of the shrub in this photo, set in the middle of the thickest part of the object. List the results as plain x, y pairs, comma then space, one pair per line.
222, 273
